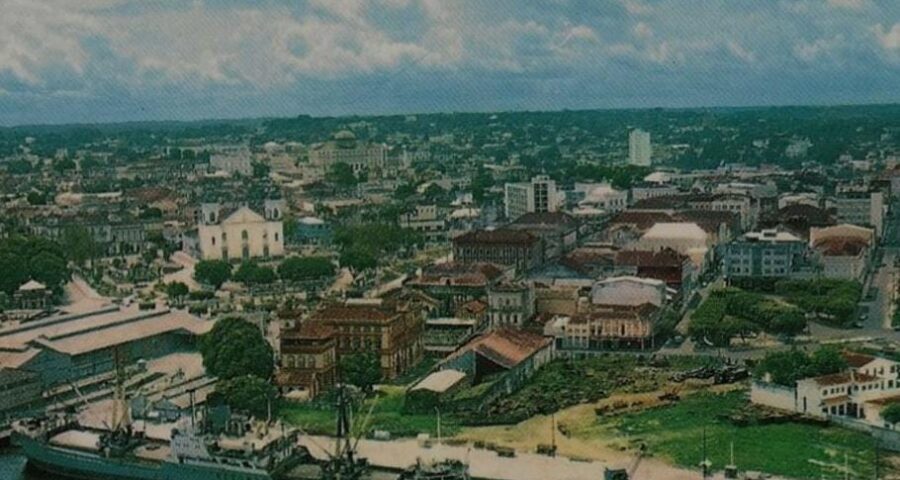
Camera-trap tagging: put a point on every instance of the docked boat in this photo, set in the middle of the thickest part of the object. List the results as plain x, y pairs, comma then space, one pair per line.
443, 470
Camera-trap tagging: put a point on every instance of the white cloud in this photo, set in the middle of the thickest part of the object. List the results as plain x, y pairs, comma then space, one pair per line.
642, 30
636, 7
848, 4
811, 51
888, 39
740, 51
35, 35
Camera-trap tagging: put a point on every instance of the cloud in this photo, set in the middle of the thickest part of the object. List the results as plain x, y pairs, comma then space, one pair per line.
812, 51
198, 58
888, 39
37, 35
848, 4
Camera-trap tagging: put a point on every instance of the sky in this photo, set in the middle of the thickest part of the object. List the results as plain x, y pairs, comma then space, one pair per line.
84, 61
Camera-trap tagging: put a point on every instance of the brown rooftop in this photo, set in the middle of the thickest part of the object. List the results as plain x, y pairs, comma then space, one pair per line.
856, 360
501, 236
458, 273
344, 313
506, 347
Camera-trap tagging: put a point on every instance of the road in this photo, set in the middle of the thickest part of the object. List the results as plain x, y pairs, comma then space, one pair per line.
186, 274
883, 281
485, 464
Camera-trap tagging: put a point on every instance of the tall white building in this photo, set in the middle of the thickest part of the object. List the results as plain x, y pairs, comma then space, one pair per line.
538, 195
639, 150
243, 234
345, 148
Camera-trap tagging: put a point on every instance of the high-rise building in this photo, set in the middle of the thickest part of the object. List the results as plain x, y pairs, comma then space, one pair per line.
639, 150
538, 195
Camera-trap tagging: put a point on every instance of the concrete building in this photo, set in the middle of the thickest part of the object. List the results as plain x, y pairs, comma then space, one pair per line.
453, 284
682, 237
234, 161
601, 196
506, 247
243, 234
427, 221
511, 356
510, 304
858, 394
312, 231
843, 250
20, 392
308, 359
644, 190
558, 231
392, 332
640, 151
345, 148
538, 195
860, 208
69, 347
767, 253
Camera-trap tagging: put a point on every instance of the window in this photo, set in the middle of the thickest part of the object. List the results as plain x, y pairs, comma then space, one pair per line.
244, 235
213, 240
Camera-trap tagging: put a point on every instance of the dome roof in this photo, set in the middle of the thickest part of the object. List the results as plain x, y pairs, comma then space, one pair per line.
344, 135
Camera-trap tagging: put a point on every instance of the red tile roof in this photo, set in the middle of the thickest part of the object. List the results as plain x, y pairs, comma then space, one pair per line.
361, 313
506, 347
500, 236
841, 246
857, 360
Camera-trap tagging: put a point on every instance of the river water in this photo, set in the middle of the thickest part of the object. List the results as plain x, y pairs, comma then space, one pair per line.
12, 467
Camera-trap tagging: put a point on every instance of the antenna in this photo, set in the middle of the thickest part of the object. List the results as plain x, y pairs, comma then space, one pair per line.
193, 409
553, 432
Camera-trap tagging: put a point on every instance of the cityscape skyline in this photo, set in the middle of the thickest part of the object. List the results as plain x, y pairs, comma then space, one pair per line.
111, 61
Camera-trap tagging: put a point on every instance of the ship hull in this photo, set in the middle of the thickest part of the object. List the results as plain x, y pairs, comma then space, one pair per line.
84, 465
79, 465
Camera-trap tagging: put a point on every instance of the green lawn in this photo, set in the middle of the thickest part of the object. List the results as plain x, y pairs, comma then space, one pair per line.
387, 415
791, 449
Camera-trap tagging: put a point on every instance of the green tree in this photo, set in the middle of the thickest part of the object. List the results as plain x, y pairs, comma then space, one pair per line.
36, 198
49, 269
260, 170
248, 393
234, 348
341, 174
891, 413
251, 273
212, 272
80, 244
358, 259
361, 369
177, 290
299, 268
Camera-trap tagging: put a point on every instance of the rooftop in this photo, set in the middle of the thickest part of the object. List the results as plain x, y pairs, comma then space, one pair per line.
501, 236
505, 347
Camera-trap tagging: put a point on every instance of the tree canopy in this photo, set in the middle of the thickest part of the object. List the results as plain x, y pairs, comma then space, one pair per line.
361, 369
251, 273
234, 348
730, 313
786, 367
24, 258
212, 272
305, 268
248, 393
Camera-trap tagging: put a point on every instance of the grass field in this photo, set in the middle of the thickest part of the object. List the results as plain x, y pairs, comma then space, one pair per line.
675, 433
387, 415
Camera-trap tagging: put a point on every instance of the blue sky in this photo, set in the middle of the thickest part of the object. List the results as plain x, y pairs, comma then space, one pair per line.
64, 61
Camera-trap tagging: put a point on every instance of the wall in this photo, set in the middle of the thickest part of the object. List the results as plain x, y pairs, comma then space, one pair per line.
774, 396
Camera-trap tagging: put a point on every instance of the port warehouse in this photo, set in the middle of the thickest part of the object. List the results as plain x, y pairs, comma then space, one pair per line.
65, 348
